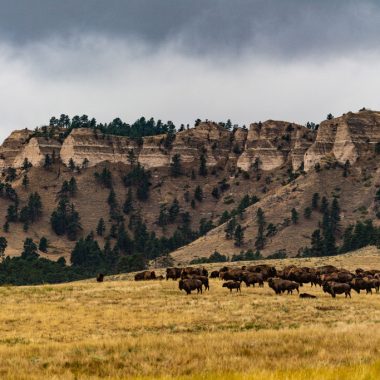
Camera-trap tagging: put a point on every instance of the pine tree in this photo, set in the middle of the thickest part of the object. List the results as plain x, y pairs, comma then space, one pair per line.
43, 245
163, 217
315, 201
224, 217
128, 204
30, 250
48, 161
25, 182
260, 219
346, 168
198, 194
324, 205
6, 227
203, 165
131, 157
239, 236
101, 228
307, 213
294, 216
3, 247
26, 164
316, 243
73, 187
230, 228
175, 166
72, 165
335, 216
174, 211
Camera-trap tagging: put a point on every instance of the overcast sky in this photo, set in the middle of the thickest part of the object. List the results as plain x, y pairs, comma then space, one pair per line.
178, 60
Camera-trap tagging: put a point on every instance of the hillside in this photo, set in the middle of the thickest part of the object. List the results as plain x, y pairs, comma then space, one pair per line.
124, 329
278, 164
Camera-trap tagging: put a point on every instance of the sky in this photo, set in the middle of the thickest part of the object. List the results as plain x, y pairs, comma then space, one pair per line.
179, 60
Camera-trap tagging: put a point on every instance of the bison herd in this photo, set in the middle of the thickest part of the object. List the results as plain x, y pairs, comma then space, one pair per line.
331, 279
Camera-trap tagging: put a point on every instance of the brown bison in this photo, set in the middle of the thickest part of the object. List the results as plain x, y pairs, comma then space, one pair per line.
307, 295
250, 278
232, 285
280, 286
100, 277
341, 276
204, 279
267, 271
194, 271
190, 284
231, 275
145, 276
173, 273
335, 288
366, 284
214, 274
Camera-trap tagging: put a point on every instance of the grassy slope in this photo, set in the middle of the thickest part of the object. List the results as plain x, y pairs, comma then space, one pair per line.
121, 329
355, 194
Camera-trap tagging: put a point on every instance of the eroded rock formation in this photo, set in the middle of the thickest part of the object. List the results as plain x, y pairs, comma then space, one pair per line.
269, 145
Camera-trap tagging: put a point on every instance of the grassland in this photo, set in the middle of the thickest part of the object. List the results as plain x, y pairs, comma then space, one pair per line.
122, 329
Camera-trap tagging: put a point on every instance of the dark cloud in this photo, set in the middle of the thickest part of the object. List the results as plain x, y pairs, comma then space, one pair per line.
178, 60
274, 27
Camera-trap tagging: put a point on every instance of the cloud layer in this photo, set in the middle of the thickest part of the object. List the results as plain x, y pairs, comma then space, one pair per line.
244, 60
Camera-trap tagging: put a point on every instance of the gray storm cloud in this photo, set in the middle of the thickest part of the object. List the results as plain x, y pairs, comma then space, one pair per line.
180, 60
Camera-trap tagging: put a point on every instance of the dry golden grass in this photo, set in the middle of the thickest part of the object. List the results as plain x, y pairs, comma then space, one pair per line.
122, 329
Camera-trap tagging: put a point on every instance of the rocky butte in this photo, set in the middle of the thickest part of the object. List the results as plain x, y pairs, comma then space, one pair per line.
268, 152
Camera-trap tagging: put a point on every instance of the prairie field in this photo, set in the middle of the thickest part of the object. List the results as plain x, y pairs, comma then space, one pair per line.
122, 329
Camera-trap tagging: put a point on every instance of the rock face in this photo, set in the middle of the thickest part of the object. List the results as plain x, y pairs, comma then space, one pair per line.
345, 138
84, 144
268, 145
12, 146
272, 143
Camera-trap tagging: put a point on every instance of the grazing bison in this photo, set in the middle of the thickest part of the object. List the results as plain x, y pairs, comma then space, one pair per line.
232, 285
194, 271
341, 276
250, 278
100, 277
307, 295
190, 284
365, 283
204, 279
173, 273
232, 275
214, 274
266, 270
280, 286
335, 288
145, 276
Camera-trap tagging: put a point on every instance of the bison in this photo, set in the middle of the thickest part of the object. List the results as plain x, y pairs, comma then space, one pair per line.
232, 285
204, 280
190, 284
307, 295
267, 271
173, 273
146, 275
100, 277
280, 286
250, 278
335, 288
214, 274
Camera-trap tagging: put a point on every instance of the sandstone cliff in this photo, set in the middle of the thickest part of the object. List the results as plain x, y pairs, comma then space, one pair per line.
269, 145
345, 138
